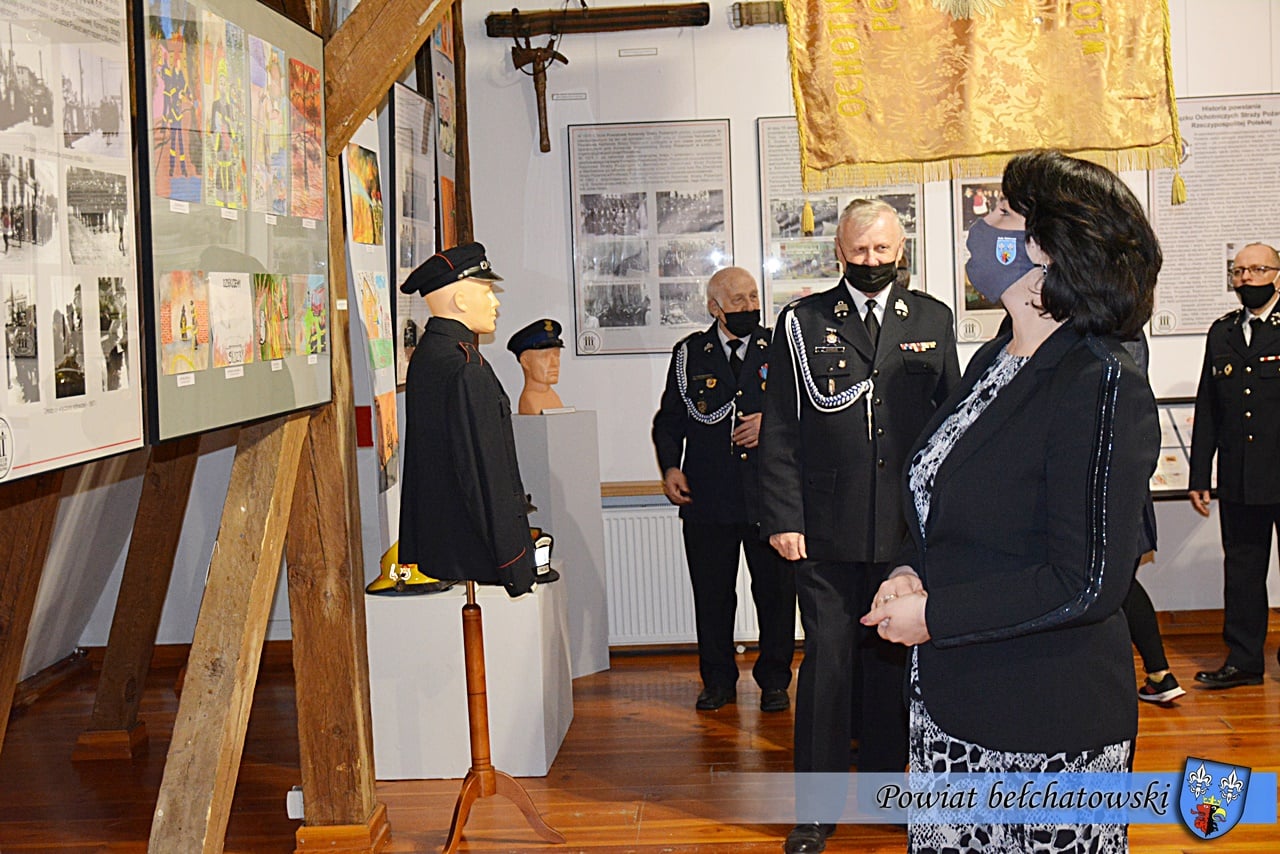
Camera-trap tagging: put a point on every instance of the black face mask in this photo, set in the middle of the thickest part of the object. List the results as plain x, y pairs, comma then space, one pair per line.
1255, 297
868, 279
742, 323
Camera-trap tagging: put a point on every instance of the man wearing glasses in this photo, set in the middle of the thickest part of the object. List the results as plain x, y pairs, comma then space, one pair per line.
1238, 417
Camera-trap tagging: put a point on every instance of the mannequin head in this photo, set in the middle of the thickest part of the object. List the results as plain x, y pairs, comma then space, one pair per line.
541, 367
471, 302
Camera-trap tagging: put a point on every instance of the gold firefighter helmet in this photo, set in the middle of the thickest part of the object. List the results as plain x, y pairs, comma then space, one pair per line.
403, 579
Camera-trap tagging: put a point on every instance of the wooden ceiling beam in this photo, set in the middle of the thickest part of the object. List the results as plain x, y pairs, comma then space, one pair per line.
603, 20
366, 55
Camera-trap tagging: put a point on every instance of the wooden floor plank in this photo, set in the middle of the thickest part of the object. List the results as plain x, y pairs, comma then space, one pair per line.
631, 778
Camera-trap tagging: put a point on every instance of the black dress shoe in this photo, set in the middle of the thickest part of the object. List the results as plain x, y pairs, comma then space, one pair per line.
808, 838
713, 698
774, 700
1228, 676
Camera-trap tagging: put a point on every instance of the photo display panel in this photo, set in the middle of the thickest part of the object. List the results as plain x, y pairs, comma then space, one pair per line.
234, 181
72, 389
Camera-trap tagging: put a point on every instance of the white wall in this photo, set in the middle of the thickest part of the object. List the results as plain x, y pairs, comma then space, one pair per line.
521, 204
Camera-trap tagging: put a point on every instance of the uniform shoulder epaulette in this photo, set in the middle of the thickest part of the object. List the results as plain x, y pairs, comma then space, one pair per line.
926, 296
688, 339
1230, 315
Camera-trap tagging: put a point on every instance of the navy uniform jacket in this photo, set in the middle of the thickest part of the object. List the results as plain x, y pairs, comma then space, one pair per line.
821, 474
463, 512
1238, 411
694, 426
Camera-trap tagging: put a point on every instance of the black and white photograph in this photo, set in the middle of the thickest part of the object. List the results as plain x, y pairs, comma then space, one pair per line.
97, 210
615, 305
694, 257
26, 62
619, 257
618, 213
693, 212
21, 340
94, 99
795, 261
684, 304
905, 205
651, 204
787, 217
29, 209
113, 332
67, 337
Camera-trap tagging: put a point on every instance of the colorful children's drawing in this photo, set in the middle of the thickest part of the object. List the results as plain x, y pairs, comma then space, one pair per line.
375, 311
309, 301
388, 440
364, 187
271, 315
226, 122
183, 299
231, 317
269, 130
177, 156
306, 142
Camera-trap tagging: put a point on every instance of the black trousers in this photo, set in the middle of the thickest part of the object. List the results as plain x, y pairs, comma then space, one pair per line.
1144, 628
712, 552
1246, 547
849, 673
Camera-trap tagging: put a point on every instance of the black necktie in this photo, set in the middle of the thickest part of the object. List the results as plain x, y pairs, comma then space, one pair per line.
1255, 325
873, 325
735, 361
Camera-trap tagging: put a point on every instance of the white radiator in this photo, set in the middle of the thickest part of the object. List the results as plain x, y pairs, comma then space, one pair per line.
650, 600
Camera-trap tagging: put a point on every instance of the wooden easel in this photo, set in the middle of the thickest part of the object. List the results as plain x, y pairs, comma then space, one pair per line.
483, 780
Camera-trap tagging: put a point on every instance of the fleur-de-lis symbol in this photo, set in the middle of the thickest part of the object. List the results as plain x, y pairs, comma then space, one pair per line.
1199, 781
1231, 787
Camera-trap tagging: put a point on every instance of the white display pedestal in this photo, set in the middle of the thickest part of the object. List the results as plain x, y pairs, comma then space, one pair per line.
560, 467
418, 687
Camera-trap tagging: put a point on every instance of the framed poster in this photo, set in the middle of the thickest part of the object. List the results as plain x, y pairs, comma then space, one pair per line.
1172, 476
977, 318
1232, 171
235, 233
799, 256
444, 92
413, 230
652, 220
72, 389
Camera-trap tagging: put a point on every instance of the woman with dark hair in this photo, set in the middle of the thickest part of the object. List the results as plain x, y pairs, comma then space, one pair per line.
1025, 497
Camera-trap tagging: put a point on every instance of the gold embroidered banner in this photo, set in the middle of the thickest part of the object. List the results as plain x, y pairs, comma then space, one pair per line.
892, 91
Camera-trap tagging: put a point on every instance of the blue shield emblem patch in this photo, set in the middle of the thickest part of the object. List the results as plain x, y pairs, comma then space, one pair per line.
1006, 250
1211, 800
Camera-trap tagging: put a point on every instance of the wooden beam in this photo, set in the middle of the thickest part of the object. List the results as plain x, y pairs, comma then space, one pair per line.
330, 658
114, 731
365, 56
600, 20
28, 509
462, 163
208, 735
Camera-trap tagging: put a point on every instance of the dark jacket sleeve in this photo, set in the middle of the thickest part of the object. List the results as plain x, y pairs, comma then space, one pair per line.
950, 377
1204, 431
1101, 450
781, 469
481, 441
670, 422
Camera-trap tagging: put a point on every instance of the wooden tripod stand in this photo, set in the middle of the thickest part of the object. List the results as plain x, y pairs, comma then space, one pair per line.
483, 780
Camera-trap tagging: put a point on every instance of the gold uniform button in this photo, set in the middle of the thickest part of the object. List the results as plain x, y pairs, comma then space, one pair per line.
875, 372
739, 392
1248, 391
879, 431
880, 463
1249, 438
877, 401
744, 455
1248, 370
1248, 415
